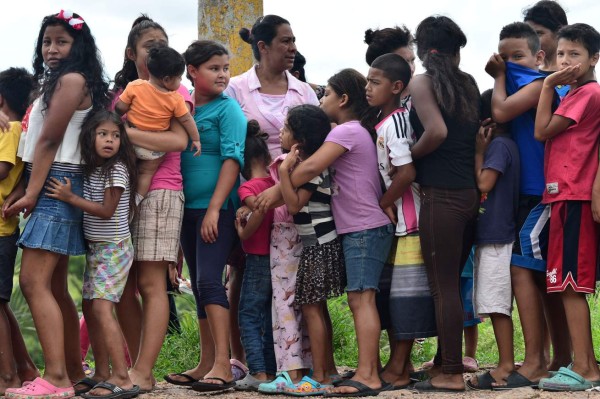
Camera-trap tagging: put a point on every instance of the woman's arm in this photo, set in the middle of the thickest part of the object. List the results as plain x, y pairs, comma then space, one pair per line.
435, 130
104, 210
69, 94
173, 140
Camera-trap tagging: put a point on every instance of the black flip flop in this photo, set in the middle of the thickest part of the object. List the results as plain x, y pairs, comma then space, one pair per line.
116, 392
89, 385
188, 383
485, 382
202, 386
427, 386
515, 380
362, 390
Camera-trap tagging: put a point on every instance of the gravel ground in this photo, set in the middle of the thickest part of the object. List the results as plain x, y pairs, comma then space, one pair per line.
165, 390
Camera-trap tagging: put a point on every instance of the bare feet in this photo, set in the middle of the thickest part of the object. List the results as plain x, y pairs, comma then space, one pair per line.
197, 373
124, 383
5, 383
221, 371
448, 381
145, 382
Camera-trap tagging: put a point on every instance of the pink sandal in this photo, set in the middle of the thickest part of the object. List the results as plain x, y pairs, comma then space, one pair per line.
39, 389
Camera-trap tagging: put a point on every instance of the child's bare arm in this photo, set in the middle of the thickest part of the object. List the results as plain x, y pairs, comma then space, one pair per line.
121, 107
547, 124
5, 168
254, 220
505, 108
404, 176
192, 130
486, 178
105, 209
294, 199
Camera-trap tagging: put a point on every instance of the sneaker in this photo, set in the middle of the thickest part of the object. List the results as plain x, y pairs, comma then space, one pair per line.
278, 385
248, 383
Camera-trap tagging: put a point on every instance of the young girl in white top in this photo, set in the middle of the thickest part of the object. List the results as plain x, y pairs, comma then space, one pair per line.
109, 170
68, 65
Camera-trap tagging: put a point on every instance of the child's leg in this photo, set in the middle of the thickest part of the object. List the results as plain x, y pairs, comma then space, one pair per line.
37, 267
70, 319
96, 337
578, 320
331, 368
503, 332
471, 334
289, 334
557, 334
8, 371
129, 314
529, 305
397, 371
236, 274
84, 338
146, 170
26, 369
113, 342
317, 332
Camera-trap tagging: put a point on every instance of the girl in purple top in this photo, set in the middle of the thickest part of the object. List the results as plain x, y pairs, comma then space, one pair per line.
365, 230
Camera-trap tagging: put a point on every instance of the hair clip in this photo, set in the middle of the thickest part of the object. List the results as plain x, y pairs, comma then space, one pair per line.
433, 51
67, 16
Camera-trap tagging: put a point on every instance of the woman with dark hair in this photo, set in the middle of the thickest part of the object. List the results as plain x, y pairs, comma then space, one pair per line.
156, 226
546, 17
266, 92
445, 116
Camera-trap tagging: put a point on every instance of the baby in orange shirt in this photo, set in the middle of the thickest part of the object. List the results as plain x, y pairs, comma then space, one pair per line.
151, 104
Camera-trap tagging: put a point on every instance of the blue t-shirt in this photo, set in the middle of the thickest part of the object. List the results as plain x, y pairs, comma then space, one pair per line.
531, 151
222, 127
497, 214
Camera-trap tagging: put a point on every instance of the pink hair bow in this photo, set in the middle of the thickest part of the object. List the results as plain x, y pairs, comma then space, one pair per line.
67, 16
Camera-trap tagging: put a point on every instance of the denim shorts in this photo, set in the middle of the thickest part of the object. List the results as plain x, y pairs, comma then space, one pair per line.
8, 254
365, 253
54, 225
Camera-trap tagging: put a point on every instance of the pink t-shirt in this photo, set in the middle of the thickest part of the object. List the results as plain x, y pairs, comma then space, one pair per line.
571, 157
259, 242
356, 190
168, 175
244, 89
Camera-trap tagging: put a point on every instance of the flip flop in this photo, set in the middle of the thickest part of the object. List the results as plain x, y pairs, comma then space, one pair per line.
485, 382
89, 385
202, 386
515, 380
427, 386
188, 383
362, 390
418, 376
116, 392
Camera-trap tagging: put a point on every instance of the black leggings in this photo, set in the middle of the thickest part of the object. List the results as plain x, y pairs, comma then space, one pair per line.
447, 231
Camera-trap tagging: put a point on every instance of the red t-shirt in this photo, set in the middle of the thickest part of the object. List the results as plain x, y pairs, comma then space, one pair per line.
571, 157
258, 243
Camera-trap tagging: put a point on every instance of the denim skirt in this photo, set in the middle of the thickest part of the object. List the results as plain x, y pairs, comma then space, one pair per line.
54, 225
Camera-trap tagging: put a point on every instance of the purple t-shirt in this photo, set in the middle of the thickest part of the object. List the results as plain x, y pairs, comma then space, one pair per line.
355, 189
498, 212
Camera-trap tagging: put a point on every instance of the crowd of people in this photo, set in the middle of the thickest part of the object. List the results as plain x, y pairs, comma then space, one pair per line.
425, 200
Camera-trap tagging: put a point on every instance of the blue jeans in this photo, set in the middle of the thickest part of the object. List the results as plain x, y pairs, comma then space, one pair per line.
365, 252
255, 315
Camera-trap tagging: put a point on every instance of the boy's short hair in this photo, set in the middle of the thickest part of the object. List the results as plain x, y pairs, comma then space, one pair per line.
16, 85
163, 61
520, 30
299, 62
394, 67
584, 34
547, 13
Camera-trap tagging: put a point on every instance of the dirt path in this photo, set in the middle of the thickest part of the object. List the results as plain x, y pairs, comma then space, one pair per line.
167, 391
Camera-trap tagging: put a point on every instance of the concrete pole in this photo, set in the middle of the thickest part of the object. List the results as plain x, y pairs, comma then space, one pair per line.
221, 20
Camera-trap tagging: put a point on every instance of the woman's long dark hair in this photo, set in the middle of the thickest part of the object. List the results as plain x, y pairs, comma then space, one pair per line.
125, 155
128, 72
439, 40
84, 58
352, 83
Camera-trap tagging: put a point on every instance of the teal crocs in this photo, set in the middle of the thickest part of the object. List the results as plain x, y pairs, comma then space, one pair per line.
308, 387
278, 385
565, 380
